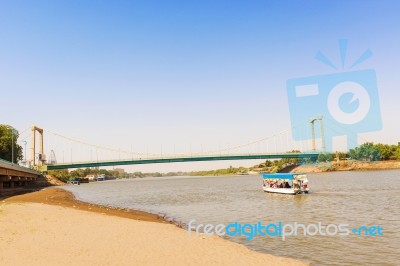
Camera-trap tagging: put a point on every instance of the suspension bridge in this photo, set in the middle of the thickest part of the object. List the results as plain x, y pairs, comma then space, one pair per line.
76, 153
304, 141
80, 153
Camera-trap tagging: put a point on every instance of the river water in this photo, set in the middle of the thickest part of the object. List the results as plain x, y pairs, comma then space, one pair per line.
355, 198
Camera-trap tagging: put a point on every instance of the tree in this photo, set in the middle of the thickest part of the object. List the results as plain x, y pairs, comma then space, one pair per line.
8, 139
397, 151
387, 151
365, 152
78, 173
325, 157
268, 163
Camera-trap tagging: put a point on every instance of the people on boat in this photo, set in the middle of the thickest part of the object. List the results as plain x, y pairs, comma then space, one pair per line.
290, 183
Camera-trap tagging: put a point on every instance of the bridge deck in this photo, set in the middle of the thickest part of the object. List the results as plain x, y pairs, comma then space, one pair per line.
311, 156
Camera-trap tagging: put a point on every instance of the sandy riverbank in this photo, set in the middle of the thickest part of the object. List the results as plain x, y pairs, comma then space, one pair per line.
49, 227
347, 166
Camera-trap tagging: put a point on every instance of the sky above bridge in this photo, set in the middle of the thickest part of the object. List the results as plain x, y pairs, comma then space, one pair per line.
184, 76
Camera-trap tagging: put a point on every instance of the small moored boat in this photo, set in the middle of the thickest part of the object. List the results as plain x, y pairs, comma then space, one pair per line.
101, 177
285, 183
73, 182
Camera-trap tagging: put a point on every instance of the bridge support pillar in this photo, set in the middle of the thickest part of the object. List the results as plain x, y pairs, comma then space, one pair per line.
11, 184
42, 158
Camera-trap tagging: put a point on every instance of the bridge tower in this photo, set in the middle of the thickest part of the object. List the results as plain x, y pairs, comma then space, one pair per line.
52, 158
41, 157
312, 121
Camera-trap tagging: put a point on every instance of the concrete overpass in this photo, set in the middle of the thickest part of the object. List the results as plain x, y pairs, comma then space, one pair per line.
14, 175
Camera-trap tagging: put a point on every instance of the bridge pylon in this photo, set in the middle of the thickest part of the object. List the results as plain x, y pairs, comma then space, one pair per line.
41, 157
312, 121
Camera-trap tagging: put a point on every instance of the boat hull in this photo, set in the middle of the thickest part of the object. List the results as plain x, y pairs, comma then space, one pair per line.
288, 191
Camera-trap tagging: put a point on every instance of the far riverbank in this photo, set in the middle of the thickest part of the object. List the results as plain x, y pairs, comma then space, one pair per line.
345, 166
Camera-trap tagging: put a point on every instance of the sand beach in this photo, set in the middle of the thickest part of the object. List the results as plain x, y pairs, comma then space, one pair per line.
50, 227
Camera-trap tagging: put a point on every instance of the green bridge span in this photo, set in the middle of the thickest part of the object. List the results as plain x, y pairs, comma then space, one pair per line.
312, 156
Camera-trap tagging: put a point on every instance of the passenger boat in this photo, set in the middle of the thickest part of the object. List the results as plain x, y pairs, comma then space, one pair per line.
285, 183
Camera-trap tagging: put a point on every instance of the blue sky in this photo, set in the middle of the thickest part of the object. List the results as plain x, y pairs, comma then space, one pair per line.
181, 76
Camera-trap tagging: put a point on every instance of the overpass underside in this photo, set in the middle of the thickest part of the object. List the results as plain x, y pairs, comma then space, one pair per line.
14, 177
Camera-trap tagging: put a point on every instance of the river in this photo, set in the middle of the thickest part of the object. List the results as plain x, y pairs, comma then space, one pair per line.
354, 198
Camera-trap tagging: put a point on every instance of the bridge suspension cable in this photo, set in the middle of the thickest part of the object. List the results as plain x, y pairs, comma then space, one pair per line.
92, 145
279, 140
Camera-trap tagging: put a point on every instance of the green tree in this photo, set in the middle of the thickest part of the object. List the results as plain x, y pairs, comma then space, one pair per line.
397, 151
62, 175
387, 151
324, 157
365, 152
8, 140
77, 173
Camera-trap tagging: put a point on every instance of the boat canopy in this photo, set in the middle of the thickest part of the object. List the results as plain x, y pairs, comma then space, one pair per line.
288, 176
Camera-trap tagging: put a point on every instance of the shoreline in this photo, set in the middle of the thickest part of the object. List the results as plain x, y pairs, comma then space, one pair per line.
349, 166
322, 167
61, 197
50, 227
